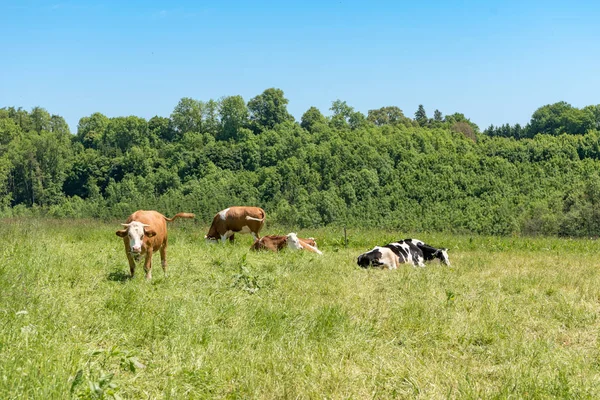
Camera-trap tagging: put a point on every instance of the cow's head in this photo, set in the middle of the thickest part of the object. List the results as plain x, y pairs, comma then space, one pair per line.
442, 255
293, 242
210, 239
136, 231
369, 258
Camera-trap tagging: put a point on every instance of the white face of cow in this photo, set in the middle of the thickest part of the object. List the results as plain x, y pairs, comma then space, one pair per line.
135, 232
293, 242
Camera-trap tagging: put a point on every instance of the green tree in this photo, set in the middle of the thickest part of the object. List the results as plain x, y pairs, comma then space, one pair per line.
312, 118
40, 119
187, 116
421, 116
561, 117
123, 133
343, 114
386, 116
21, 118
59, 125
594, 111
90, 130
161, 128
9, 130
234, 116
211, 121
269, 109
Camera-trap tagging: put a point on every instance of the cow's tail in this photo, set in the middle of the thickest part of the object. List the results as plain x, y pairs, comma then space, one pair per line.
249, 218
180, 215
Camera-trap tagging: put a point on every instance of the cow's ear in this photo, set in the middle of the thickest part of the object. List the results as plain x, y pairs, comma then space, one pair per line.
149, 232
121, 233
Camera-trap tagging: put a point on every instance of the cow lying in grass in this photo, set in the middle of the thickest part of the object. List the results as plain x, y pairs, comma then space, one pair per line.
144, 233
292, 241
404, 251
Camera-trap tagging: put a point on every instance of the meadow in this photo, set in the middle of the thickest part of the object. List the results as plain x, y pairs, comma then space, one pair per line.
513, 317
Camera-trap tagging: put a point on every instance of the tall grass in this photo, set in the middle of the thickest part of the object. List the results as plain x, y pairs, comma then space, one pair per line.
512, 318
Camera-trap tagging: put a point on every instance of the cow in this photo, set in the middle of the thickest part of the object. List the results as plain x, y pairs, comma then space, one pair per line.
279, 242
430, 252
146, 232
404, 251
232, 220
295, 243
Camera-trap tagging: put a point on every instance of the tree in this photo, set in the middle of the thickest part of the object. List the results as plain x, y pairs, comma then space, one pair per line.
8, 131
421, 115
341, 114
125, 132
594, 111
269, 109
234, 116
211, 123
561, 117
90, 130
161, 128
40, 119
437, 116
458, 117
21, 118
357, 120
311, 118
59, 125
386, 116
187, 116
464, 128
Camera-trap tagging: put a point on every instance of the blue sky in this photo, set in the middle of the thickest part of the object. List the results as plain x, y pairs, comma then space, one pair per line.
494, 61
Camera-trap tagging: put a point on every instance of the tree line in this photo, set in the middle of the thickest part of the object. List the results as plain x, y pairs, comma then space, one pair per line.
382, 169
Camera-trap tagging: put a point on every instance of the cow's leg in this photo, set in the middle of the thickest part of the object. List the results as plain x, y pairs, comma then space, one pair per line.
231, 238
418, 262
228, 235
163, 257
130, 259
148, 264
255, 236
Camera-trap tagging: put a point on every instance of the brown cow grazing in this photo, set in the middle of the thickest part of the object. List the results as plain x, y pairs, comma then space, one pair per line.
277, 242
234, 220
146, 232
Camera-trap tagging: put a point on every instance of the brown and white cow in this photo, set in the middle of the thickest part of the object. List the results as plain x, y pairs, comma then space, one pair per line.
234, 220
146, 232
295, 243
278, 242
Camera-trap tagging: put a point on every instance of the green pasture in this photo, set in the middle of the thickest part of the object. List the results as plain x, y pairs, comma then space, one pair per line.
512, 318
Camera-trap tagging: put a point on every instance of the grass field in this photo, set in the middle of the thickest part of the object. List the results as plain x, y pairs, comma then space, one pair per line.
512, 318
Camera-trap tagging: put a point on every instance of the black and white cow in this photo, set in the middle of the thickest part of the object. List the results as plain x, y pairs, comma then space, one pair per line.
404, 251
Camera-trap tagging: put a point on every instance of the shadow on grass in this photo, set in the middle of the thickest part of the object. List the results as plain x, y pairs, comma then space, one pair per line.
118, 276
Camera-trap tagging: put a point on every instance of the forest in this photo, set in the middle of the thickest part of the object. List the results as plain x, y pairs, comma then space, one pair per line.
383, 169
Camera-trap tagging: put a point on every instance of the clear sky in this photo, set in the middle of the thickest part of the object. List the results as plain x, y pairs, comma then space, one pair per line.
494, 61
